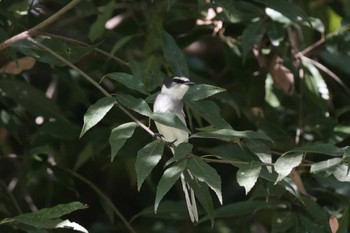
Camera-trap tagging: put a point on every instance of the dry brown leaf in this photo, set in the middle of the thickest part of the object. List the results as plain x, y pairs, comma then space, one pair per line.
334, 224
18, 66
283, 78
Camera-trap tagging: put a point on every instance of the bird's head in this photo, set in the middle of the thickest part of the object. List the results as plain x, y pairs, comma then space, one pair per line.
176, 87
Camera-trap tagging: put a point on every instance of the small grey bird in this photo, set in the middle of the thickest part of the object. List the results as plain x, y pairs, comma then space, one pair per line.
170, 100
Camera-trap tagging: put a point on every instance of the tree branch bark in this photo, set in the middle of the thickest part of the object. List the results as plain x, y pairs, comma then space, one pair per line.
34, 30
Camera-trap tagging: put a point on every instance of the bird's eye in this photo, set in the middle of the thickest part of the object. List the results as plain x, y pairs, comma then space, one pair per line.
179, 81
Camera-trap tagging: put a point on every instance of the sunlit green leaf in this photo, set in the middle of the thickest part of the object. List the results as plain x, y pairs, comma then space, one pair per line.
129, 81
147, 158
170, 176
48, 218
285, 164
202, 91
288, 9
261, 150
247, 175
96, 112
169, 119
230, 134
205, 173
329, 164
174, 55
136, 104
342, 173
119, 135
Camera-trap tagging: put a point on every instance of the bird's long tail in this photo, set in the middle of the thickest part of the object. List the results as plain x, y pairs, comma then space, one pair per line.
190, 199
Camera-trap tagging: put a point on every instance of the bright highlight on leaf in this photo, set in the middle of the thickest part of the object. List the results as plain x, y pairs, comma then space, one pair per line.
119, 135
286, 163
247, 175
96, 112
49, 218
230, 134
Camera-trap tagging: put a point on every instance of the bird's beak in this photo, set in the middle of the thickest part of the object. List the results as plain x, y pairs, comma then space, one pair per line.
189, 83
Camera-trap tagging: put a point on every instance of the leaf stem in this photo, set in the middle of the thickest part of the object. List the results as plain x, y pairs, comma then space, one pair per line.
34, 30
93, 82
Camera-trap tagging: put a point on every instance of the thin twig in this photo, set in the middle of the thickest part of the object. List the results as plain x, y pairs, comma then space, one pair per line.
99, 193
117, 59
13, 199
311, 47
233, 162
93, 82
38, 27
327, 71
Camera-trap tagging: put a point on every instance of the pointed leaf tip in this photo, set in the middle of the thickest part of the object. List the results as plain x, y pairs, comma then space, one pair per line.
96, 112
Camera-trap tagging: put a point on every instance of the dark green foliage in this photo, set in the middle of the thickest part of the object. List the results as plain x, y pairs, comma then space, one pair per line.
269, 116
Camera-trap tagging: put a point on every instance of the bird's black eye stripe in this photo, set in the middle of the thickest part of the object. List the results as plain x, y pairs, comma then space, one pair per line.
180, 81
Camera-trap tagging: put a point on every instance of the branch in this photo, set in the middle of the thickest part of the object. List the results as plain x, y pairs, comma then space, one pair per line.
93, 82
34, 30
117, 59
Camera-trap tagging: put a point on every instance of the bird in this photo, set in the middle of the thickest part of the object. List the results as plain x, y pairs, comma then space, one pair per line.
170, 99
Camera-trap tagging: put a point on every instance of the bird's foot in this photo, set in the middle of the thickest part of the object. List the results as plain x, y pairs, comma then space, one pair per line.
158, 136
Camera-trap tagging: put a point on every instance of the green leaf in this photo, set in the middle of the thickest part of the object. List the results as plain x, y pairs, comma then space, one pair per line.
230, 134
247, 175
261, 150
210, 111
170, 176
201, 191
252, 35
342, 173
205, 173
96, 112
276, 33
174, 55
70, 52
181, 151
129, 81
119, 135
98, 27
288, 9
147, 158
169, 119
238, 209
329, 164
320, 148
237, 11
138, 105
48, 218
84, 155
201, 91
286, 163
30, 98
